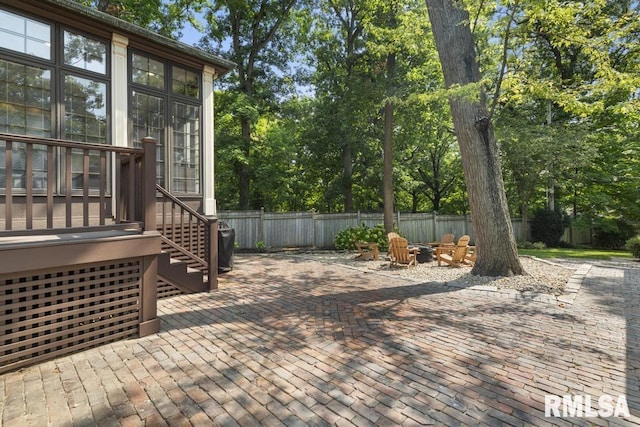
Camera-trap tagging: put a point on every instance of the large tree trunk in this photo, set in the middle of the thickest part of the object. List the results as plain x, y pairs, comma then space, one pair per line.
524, 226
387, 168
496, 245
387, 175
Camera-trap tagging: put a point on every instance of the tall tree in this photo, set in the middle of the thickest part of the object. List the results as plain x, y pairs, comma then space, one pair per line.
387, 176
343, 82
570, 88
256, 47
497, 252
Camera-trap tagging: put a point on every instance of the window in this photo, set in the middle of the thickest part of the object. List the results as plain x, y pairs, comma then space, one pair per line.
85, 53
185, 83
147, 71
85, 120
85, 111
24, 35
51, 87
18, 164
186, 148
25, 109
165, 104
25, 99
85, 103
147, 116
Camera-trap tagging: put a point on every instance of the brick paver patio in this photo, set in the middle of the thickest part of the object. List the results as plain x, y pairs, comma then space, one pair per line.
289, 341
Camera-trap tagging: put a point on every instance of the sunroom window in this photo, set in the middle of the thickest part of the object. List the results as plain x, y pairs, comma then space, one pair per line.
85, 110
148, 119
24, 35
186, 148
54, 83
25, 109
165, 104
85, 53
25, 99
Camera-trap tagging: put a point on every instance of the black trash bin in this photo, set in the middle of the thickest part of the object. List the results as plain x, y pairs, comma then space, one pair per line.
226, 242
425, 255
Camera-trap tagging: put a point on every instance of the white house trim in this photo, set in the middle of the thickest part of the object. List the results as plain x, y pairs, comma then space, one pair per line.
119, 91
209, 205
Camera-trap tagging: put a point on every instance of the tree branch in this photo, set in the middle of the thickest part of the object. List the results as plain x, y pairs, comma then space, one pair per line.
503, 67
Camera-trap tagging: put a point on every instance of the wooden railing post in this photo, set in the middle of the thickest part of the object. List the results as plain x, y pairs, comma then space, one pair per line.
149, 323
212, 258
149, 146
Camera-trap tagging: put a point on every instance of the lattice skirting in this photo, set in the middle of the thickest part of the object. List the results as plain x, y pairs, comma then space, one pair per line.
51, 313
165, 290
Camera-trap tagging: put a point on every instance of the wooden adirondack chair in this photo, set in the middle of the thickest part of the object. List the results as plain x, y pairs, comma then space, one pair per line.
389, 237
447, 240
392, 235
454, 257
401, 254
368, 251
471, 256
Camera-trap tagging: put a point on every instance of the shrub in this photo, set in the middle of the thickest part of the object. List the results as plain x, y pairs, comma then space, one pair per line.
346, 239
548, 226
633, 245
525, 245
612, 233
539, 245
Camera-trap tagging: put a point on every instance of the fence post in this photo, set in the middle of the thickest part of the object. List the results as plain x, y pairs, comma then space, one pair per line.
434, 220
313, 221
398, 219
149, 183
261, 227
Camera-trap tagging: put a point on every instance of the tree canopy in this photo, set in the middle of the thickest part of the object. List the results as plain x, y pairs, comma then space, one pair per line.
301, 123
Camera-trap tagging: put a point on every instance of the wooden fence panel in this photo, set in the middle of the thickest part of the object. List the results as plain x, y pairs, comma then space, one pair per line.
291, 229
577, 236
326, 226
247, 225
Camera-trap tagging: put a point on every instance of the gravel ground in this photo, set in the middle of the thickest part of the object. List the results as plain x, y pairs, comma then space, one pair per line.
541, 276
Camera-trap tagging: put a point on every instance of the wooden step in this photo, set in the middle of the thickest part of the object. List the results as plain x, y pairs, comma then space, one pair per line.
180, 275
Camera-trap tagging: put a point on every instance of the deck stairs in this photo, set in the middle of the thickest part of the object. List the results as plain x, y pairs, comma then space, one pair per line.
177, 273
186, 260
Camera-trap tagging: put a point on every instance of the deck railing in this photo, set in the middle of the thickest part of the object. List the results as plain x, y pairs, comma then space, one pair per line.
49, 184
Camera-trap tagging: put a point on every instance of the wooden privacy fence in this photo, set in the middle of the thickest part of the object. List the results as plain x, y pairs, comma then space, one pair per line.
311, 229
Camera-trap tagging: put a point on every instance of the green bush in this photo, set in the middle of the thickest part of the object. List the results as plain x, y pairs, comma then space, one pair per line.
633, 245
609, 233
548, 226
532, 245
525, 245
346, 239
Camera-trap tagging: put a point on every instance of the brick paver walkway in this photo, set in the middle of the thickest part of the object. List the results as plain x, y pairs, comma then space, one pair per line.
289, 341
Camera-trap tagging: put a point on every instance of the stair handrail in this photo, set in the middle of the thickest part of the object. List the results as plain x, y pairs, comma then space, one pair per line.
180, 203
206, 260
